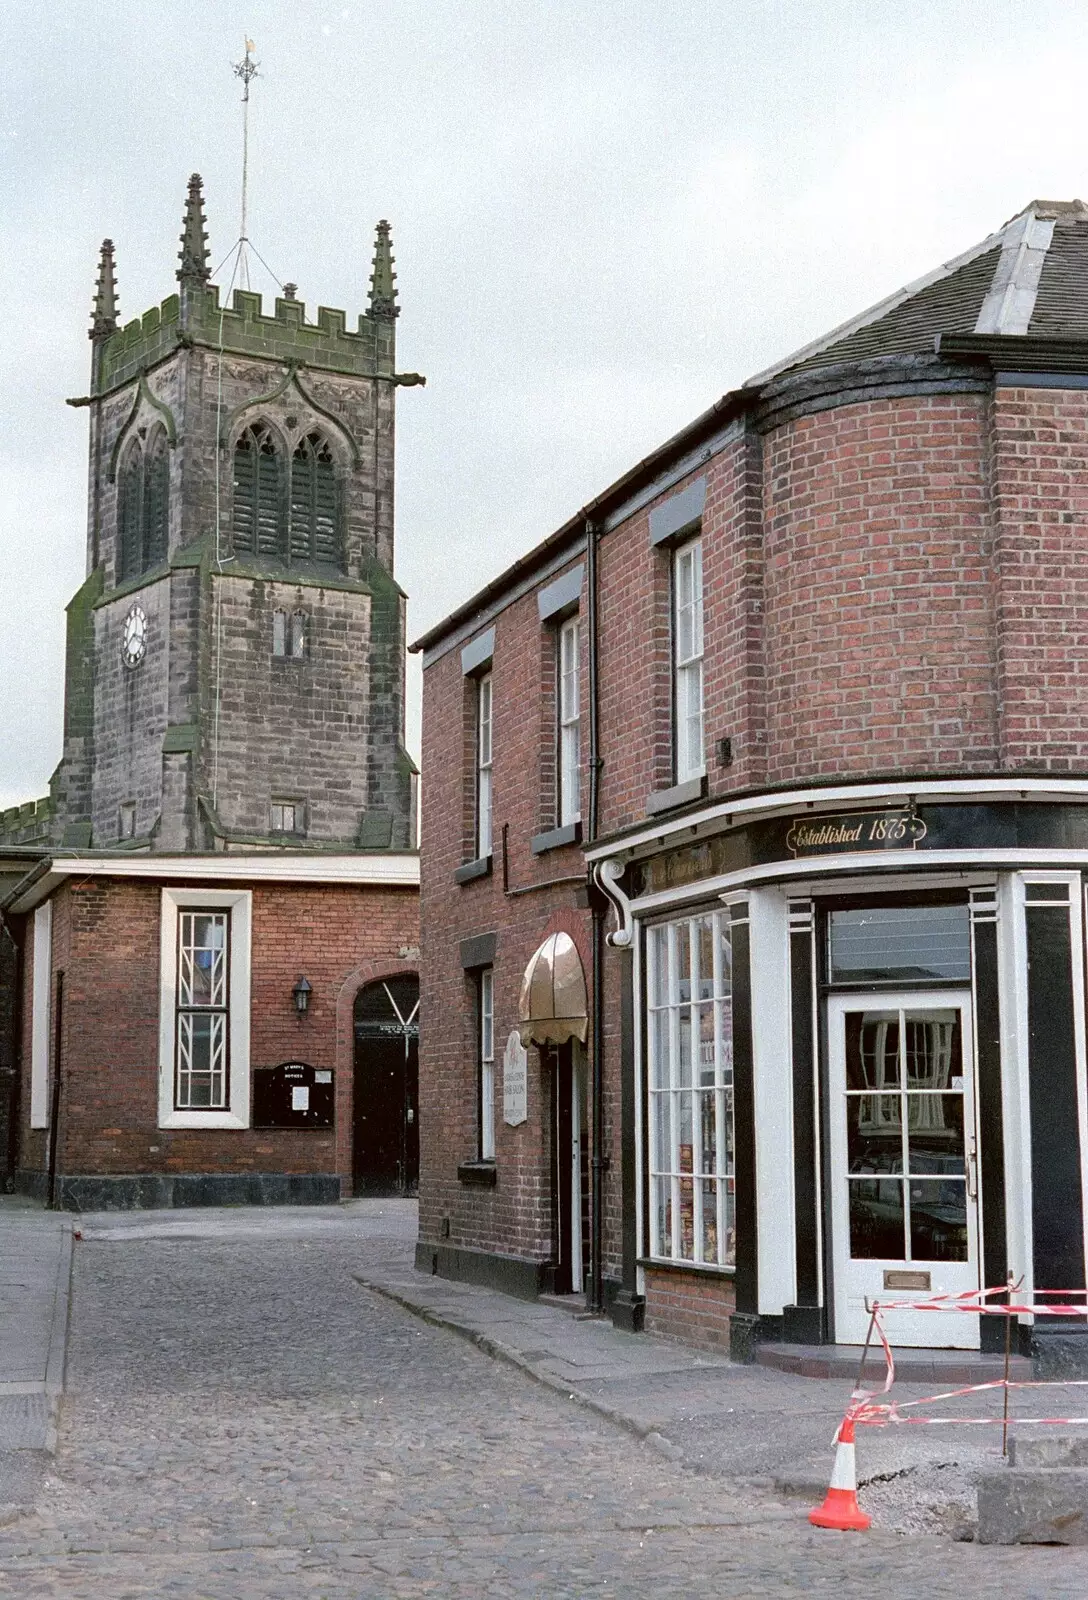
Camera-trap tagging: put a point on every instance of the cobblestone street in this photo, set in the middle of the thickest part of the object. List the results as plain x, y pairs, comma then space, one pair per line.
243, 1419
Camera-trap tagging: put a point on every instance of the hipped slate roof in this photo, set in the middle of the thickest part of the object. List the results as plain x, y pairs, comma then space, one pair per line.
1027, 281
1030, 277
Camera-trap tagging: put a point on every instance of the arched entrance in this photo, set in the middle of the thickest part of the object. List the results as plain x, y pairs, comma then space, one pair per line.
385, 1135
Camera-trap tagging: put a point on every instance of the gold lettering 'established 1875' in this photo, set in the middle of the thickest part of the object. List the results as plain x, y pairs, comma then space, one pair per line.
860, 830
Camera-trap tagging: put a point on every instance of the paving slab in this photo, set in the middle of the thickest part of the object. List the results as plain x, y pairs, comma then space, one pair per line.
35, 1275
757, 1424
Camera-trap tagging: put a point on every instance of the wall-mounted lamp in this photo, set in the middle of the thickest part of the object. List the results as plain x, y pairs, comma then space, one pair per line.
301, 994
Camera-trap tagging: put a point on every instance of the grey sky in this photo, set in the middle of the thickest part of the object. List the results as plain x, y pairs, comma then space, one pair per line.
604, 215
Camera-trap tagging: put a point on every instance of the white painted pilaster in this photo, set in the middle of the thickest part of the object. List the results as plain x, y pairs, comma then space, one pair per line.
773, 1095
40, 1012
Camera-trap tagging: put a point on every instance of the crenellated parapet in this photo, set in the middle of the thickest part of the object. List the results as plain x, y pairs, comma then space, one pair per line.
194, 317
28, 824
245, 328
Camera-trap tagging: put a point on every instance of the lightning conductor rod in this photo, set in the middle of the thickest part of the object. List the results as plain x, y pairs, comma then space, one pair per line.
245, 69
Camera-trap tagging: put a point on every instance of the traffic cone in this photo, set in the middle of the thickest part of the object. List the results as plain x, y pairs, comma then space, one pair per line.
841, 1509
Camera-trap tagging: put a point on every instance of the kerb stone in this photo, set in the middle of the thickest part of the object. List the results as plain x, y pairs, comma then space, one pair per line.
1041, 1505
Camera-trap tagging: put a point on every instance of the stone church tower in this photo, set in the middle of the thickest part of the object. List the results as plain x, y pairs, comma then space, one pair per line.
235, 656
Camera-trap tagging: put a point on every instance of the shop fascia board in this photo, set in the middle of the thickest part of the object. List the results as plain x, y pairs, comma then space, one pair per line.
807, 874
723, 814
386, 870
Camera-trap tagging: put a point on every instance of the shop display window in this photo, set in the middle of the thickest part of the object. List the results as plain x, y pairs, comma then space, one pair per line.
690, 1109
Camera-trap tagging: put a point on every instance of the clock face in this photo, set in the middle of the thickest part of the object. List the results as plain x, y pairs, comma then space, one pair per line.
134, 637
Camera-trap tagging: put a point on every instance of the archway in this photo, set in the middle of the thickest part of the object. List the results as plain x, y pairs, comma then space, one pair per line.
385, 1132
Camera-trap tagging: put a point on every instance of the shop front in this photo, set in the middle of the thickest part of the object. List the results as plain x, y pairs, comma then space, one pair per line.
858, 1057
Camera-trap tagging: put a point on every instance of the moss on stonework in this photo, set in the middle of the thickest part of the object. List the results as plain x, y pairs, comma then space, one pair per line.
29, 823
191, 554
375, 830
180, 739
306, 575
142, 580
79, 656
244, 328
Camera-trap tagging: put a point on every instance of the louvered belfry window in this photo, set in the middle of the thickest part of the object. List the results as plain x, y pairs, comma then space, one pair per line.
314, 535
156, 500
143, 506
257, 522
294, 521
129, 498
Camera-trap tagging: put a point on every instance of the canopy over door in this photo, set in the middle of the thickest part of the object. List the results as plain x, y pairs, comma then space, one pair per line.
552, 1006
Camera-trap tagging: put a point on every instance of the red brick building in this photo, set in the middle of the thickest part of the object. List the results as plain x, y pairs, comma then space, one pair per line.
215, 909
787, 731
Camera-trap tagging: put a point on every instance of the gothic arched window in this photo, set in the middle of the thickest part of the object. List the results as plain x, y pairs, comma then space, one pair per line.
129, 509
156, 499
143, 505
315, 534
257, 518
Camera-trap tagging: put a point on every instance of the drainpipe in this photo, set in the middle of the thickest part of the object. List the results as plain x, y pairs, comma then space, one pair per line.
596, 1285
10, 1112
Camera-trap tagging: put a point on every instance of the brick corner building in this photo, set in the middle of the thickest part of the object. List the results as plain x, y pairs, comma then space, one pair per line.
754, 853
211, 921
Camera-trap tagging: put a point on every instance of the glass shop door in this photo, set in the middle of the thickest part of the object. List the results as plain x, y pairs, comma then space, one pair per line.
904, 1166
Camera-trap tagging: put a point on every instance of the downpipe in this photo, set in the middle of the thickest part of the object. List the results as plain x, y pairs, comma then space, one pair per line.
597, 912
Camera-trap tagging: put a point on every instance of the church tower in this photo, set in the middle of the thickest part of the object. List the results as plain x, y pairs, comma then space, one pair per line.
235, 656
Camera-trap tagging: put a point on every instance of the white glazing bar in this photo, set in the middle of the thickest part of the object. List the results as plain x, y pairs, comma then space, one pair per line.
694, 1092
674, 1075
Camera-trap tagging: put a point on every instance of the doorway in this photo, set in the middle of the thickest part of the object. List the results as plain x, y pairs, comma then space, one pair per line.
385, 1132
904, 1162
570, 1170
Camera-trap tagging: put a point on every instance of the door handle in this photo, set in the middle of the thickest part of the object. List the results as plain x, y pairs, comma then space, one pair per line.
971, 1169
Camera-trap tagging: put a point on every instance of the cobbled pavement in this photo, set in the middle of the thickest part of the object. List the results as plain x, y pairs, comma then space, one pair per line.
243, 1421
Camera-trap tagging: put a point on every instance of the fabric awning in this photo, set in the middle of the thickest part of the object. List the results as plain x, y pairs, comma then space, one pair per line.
552, 1006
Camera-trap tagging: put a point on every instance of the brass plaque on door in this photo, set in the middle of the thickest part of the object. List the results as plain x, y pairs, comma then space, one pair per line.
898, 1279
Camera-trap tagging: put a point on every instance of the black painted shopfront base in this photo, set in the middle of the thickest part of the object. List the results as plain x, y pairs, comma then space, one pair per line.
804, 1325
628, 1311
1059, 1350
156, 1191
743, 1336
509, 1274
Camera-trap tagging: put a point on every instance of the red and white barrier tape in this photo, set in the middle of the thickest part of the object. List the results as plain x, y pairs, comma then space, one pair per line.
868, 1409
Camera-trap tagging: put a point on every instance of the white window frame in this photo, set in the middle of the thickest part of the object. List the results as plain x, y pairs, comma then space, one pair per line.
485, 708
239, 903
486, 1043
279, 632
569, 706
41, 995
687, 660
289, 634
677, 1092
297, 808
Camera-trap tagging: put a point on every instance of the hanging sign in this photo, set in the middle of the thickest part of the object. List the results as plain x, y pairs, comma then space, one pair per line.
515, 1081
898, 829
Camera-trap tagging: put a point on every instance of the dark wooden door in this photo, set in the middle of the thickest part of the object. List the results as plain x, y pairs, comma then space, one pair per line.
386, 1088
570, 1172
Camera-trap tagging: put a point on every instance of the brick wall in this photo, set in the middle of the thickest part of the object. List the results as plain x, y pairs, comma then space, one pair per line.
515, 1217
892, 585
1040, 446
879, 644
691, 1306
106, 941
